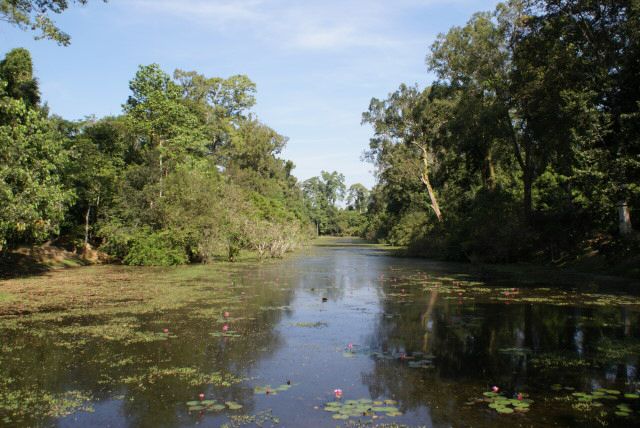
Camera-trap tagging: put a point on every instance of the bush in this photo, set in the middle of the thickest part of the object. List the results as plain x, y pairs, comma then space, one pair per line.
155, 249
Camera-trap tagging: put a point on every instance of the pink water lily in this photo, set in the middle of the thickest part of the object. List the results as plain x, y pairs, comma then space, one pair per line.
201, 396
226, 314
165, 330
495, 389
225, 327
350, 346
338, 393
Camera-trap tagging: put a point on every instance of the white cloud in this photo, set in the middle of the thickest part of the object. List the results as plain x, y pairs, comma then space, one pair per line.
295, 24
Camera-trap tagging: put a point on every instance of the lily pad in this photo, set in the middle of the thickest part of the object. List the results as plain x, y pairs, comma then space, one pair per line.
232, 405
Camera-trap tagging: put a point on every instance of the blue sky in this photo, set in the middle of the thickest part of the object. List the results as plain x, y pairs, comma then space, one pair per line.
316, 63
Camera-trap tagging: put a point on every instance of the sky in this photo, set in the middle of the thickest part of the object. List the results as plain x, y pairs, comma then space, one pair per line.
316, 63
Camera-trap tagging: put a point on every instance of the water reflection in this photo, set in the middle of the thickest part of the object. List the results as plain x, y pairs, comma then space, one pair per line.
434, 349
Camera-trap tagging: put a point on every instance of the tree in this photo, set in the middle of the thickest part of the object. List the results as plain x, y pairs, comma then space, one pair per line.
162, 123
16, 70
333, 186
414, 120
36, 15
33, 199
221, 104
586, 53
321, 195
97, 152
358, 197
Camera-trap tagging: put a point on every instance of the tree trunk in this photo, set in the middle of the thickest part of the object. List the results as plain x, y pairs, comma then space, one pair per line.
161, 173
424, 177
86, 227
489, 171
624, 218
527, 178
527, 199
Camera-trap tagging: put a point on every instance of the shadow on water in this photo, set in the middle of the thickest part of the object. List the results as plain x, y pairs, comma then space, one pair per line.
430, 338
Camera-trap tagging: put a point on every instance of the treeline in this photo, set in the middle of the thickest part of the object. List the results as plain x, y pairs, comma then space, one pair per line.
324, 194
526, 145
185, 174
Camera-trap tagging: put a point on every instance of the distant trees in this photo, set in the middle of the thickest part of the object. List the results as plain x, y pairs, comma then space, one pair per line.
526, 141
358, 197
324, 193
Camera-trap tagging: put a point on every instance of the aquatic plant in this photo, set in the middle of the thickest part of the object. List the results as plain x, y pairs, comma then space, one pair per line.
361, 407
268, 390
504, 405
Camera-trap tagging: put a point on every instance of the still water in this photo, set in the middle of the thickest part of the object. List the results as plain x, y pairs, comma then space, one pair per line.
399, 341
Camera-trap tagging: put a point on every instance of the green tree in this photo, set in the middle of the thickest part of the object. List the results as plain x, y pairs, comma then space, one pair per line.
163, 125
33, 199
358, 197
35, 15
16, 70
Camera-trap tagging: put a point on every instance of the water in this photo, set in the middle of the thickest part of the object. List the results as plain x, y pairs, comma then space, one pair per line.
432, 337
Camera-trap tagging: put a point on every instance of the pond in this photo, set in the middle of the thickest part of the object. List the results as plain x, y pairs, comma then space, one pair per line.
342, 334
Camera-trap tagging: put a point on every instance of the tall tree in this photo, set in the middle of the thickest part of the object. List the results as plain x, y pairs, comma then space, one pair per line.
164, 126
33, 198
358, 197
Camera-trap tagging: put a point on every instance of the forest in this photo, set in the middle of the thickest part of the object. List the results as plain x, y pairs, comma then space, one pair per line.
185, 174
526, 146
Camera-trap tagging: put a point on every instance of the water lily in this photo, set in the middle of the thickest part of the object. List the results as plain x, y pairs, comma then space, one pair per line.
201, 396
520, 397
225, 327
338, 393
350, 346
495, 389
165, 330
226, 314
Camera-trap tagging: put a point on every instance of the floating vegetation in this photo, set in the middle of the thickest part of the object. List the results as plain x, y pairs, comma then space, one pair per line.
232, 405
362, 407
20, 405
268, 390
604, 401
274, 308
227, 333
319, 324
554, 361
260, 419
504, 405
617, 350
188, 375
205, 406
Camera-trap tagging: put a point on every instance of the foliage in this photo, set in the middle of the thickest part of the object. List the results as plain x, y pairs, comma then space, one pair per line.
32, 196
36, 15
186, 174
524, 143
